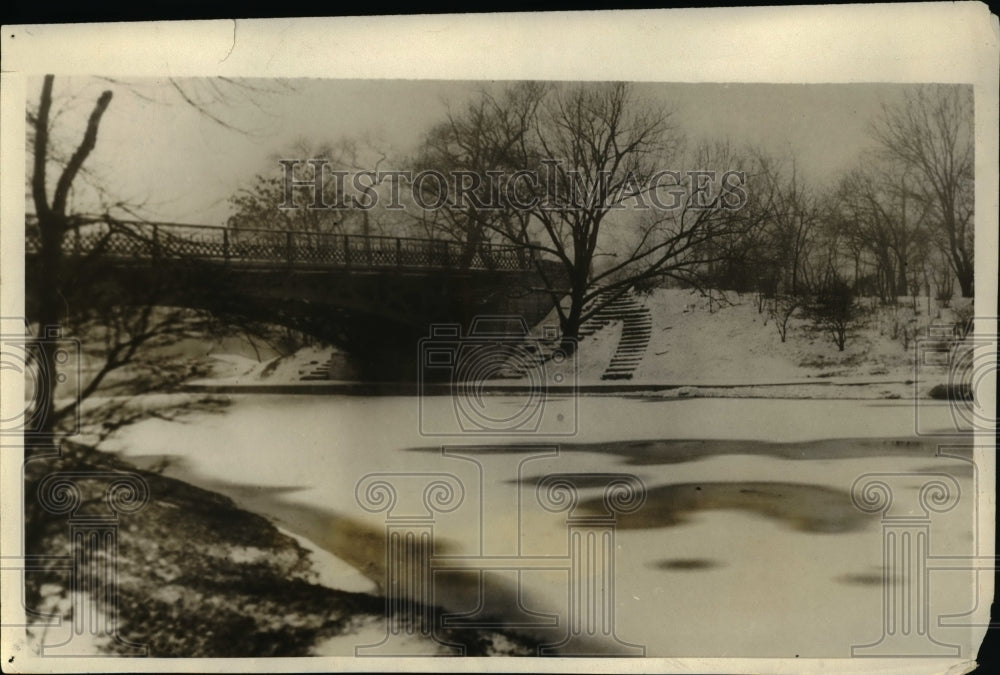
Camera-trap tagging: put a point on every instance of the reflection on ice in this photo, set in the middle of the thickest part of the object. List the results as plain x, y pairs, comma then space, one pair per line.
730, 548
686, 564
667, 451
810, 508
867, 579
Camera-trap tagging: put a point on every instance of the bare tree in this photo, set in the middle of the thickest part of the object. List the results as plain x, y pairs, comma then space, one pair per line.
781, 309
590, 192
931, 134
792, 229
73, 291
299, 193
834, 308
53, 223
478, 148
943, 278
882, 214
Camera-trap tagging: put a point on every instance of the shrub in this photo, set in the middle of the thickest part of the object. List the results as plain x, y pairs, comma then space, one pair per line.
964, 314
781, 309
835, 310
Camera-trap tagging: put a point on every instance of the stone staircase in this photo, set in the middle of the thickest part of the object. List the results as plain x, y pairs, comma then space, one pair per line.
637, 328
316, 371
530, 353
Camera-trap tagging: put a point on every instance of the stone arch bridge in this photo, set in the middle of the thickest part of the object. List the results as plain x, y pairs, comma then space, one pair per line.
373, 296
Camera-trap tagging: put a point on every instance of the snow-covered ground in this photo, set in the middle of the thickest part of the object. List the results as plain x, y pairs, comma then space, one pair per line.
239, 369
706, 342
709, 345
749, 543
772, 560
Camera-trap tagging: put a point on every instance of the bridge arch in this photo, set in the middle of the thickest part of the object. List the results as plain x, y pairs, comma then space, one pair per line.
373, 297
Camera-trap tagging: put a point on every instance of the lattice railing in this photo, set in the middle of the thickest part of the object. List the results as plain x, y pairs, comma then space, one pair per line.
140, 241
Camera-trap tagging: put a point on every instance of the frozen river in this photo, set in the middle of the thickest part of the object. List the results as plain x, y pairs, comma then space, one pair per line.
748, 542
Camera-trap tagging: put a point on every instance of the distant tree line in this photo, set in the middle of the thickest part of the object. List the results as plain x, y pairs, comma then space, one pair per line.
619, 199
900, 224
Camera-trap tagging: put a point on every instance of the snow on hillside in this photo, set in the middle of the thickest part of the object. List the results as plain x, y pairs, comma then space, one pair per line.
701, 342
237, 369
697, 342
735, 344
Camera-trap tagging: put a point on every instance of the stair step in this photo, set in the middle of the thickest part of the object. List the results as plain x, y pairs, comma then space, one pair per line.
636, 332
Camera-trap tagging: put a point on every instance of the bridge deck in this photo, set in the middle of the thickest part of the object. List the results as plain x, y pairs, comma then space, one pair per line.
137, 241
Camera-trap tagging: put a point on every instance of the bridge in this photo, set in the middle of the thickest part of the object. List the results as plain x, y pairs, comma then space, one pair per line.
372, 296
130, 240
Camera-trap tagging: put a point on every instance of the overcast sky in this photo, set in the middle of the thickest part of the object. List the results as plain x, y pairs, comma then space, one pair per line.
156, 150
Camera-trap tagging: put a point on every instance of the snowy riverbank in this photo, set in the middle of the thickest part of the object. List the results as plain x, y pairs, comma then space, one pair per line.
698, 348
198, 576
765, 496
746, 448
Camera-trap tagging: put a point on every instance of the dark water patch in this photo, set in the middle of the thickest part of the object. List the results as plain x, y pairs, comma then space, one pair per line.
191, 587
686, 564
492, 601
356, 543
676, 451
808, 508
951, 392
583, 480
866, 579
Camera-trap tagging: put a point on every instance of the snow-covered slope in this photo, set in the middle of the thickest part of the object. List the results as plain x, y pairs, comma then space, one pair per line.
696, 341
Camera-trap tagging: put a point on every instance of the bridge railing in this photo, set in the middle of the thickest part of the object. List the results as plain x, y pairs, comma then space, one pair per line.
137, 240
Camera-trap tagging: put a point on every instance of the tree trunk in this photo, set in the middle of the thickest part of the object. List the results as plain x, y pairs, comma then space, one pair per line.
47, 282
571, 328
474, 237
570, 324
965, 282
52, 228
901, 283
